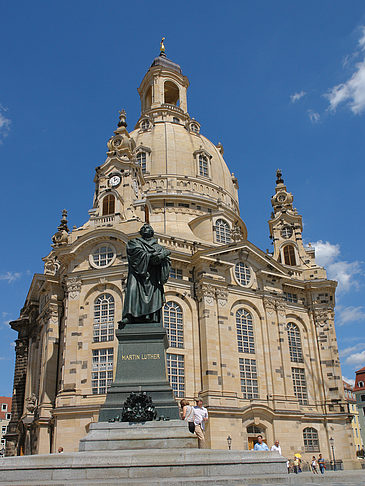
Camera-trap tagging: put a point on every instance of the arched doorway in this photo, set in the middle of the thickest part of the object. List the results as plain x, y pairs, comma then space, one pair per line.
252, 432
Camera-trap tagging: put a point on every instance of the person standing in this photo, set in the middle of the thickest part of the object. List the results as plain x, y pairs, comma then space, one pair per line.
200, 417
296, 464
260, 444
321, 464
188, 414
314, 465
276, 447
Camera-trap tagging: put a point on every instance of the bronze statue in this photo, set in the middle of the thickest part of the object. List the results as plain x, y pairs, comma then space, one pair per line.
148, 270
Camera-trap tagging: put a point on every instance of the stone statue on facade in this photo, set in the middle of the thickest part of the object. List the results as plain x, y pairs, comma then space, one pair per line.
148, 270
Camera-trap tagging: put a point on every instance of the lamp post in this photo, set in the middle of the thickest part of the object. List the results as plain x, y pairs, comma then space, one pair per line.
332, 442
229, 442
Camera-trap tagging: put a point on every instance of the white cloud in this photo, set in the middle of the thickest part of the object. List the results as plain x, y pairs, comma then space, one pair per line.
350, 314
356, 360
10, 277
351, 349
314, 116
297, 96
350, 381
4, 124
327, 255
352, 91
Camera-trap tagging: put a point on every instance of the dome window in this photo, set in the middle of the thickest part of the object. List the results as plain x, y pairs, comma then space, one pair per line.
176, 120
203, 165
145, 124
194, 128
142, 161
222, 231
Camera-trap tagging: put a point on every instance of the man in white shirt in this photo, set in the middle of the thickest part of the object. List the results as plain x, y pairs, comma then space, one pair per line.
200, 417
276, 447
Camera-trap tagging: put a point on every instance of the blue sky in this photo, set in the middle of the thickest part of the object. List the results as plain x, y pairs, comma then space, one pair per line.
280, 84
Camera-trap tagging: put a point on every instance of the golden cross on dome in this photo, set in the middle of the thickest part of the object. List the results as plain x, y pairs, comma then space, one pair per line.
162, 45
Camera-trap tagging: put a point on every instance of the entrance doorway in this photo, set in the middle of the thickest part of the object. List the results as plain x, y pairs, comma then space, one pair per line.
252, 432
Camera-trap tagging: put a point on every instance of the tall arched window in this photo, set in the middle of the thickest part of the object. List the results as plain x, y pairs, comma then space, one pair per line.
142, 161
310, 438
295, 343
289, 255
203, 165
173, 323
104, 318
222, 231
244, 326
108, 205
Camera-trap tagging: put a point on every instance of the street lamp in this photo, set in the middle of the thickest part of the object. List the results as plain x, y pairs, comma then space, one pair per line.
229, 442
332, 442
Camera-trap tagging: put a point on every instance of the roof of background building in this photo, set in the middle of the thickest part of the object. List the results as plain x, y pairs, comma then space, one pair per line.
360, 377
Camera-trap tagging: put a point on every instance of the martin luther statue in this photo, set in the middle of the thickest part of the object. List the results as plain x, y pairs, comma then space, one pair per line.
148, 270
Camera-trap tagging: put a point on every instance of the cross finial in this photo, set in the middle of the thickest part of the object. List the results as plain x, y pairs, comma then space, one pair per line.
279, 177
162, 47
122, 118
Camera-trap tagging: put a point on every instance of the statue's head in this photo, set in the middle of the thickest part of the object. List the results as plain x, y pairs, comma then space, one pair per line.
146, 231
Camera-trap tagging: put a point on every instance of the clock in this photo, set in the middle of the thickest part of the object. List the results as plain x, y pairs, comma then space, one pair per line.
281, 197
114, 181
287, 232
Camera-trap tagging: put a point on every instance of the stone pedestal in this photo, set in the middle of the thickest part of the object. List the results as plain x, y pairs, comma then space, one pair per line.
141, 366
167, 435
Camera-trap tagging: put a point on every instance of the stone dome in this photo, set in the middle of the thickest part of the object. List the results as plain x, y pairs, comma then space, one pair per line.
173, 153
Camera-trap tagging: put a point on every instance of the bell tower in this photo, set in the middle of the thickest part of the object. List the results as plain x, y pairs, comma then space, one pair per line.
286, 227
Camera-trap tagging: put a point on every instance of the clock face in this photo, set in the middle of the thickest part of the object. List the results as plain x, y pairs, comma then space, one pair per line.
114, 181
281, 197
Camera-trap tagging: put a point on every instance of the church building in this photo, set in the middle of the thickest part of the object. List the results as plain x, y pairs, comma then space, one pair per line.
250, 332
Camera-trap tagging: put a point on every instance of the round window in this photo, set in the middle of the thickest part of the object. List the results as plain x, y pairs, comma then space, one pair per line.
287, 232
242, 273
102, 256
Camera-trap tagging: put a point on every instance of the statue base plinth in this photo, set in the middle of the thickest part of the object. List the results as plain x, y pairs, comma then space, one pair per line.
141, 367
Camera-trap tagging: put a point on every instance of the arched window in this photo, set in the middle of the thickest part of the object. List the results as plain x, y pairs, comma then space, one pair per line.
289, 255
108, 205
310, 438
244, 326
148, 99
295, 343
104, 318
142, 160
173, 323
222, 231
203, 165
171, 93
102, 256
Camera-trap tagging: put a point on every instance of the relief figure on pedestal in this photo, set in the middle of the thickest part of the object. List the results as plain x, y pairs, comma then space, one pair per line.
148, 270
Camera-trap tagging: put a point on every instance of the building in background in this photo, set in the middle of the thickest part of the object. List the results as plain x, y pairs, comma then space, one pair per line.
252, 333
5, 416
359, 390
356, 430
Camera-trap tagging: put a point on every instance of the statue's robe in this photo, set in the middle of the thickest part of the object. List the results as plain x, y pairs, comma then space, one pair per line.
148, 270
